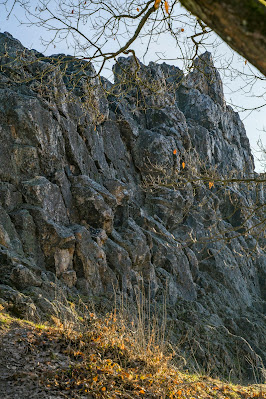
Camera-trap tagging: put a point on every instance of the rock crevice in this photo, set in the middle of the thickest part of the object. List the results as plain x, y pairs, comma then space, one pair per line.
97, 194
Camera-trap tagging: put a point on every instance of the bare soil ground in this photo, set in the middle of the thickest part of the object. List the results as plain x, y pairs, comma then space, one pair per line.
45, 362
26, 357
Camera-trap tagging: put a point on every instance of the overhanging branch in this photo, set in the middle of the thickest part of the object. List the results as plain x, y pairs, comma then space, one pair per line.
240, 23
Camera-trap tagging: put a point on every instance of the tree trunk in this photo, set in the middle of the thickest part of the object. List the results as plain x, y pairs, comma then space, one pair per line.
240, 23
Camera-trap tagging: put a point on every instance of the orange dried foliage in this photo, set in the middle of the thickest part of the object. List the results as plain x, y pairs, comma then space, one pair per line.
166, 6
156, 4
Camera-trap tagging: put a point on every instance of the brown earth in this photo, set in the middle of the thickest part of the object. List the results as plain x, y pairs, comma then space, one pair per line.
44, 362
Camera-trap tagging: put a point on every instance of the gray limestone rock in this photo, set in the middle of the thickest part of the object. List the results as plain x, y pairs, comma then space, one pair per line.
98, 196
42, 193
22, 278
94, 203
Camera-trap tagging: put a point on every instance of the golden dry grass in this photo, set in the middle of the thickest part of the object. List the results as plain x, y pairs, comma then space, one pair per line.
104, 357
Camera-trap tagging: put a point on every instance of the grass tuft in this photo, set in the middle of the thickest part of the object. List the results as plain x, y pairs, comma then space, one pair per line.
115, 356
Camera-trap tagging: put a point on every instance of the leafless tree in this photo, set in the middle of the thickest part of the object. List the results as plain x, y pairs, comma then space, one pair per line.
99, 31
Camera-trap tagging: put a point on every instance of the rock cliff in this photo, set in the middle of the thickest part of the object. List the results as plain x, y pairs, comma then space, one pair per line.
98, 195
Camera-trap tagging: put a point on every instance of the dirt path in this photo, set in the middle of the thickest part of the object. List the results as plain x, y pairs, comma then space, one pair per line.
23, 363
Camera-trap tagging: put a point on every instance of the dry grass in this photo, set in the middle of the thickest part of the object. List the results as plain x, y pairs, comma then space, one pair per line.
113, 357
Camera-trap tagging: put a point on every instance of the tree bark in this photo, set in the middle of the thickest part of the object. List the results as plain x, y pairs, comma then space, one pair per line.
240, 23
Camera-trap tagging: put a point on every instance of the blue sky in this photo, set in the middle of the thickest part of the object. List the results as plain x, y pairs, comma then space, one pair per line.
254, 121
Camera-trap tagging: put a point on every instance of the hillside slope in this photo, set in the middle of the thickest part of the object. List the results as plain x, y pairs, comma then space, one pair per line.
98, 195
55, 362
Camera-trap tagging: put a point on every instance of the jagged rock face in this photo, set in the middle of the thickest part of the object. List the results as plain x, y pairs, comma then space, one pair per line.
75, 211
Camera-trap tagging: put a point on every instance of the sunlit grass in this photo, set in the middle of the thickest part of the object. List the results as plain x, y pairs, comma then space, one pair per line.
113, 357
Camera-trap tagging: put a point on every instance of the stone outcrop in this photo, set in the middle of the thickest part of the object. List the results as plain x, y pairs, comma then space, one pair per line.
90, 205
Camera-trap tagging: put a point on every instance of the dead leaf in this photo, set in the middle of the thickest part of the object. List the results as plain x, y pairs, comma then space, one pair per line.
166, 6
156, 4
